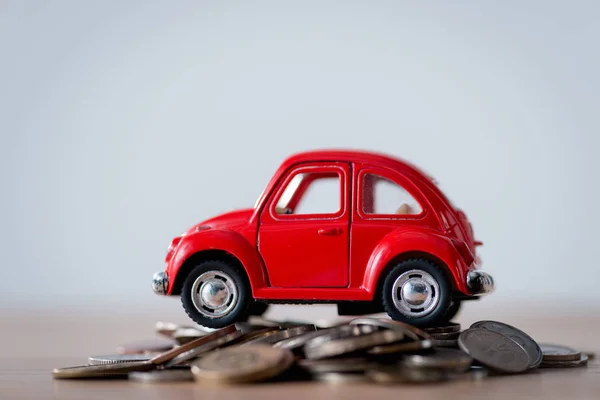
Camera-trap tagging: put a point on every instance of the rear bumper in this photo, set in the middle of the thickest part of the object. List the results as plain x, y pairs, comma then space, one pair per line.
160, 283
480, 282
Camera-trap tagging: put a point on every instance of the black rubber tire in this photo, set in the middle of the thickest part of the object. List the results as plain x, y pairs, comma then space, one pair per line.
453, 310
239, 312
439, 314
258, 308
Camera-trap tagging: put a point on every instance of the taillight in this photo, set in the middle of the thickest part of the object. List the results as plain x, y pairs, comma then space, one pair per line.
464, 251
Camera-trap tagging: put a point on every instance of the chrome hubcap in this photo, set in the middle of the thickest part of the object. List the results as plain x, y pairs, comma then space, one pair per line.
214, 294
415, 293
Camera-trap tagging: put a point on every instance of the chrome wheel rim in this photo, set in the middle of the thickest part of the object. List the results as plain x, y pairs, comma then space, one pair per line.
415, 293
214, 294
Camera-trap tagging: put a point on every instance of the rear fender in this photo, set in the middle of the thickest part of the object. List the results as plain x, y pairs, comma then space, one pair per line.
228, 241
408, 243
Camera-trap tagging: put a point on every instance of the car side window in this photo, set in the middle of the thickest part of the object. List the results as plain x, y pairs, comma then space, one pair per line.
311, 193
383, 196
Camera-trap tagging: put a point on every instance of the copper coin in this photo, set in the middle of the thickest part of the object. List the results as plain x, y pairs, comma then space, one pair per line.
242, 364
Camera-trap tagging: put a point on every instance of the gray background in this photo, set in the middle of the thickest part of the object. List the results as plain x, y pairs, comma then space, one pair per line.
122, 123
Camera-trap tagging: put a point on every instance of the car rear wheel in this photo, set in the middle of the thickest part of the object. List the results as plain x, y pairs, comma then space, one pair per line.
216, 294
417, 292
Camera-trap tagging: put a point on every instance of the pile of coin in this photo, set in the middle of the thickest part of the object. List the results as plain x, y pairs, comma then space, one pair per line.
361, 350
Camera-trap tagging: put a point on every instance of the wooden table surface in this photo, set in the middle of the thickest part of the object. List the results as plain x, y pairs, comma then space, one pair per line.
34, 343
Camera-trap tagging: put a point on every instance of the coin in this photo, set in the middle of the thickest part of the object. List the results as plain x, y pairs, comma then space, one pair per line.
116, 358
123, 368
450, 327
336, 365
402, 347
338, 377
446, 336
118, 370
296, 344
523, 339
259, 334
278, 336
583, 360
318, 348
197, 351
447, 359
391, 375
184, 335
242, 364
164, 375
408, 330
554, 352
494, 350
169, 355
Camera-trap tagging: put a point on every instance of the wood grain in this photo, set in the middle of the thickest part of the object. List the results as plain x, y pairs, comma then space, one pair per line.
34, 344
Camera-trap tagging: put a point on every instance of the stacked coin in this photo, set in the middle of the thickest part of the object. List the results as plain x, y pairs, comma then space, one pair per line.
555, 356
364, 349
445, 336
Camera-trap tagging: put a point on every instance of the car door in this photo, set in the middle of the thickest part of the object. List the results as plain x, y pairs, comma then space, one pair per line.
304, 227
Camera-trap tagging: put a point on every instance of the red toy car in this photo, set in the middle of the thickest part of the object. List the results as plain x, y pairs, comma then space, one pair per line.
363, 230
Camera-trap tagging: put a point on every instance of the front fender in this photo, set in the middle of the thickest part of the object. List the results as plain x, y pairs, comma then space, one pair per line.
412, 240
223, 240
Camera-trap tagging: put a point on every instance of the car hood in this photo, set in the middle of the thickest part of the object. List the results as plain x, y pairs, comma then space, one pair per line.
229, 220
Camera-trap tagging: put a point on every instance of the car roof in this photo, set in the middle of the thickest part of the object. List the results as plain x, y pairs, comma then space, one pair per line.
354, 156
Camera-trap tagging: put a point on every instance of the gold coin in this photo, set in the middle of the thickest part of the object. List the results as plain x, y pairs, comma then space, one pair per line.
243, 364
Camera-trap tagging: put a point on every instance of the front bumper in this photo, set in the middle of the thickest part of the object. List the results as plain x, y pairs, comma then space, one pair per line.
160, 283
480, 282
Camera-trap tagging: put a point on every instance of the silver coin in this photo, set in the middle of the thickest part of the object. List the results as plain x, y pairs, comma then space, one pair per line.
494, 350
391, 375
554, 352
318, 348
451, 360
336, 365
338, 377
582, 361
402, 347
523, 339
119, 370
278, 336
116, 358
297, 343
164, 375
408, 330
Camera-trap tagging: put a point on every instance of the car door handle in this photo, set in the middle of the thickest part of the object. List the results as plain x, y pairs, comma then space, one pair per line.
330, 231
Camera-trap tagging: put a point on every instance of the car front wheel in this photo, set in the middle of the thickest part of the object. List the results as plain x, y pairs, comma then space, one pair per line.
417, 292
216, 294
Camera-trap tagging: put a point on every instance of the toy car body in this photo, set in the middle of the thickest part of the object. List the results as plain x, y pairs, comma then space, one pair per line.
364, 230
